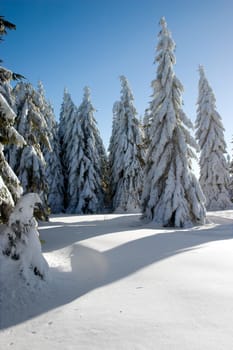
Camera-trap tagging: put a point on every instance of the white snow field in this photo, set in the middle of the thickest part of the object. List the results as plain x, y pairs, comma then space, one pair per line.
117, 283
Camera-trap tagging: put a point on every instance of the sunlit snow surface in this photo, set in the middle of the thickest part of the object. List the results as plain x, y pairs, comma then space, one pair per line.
116, 283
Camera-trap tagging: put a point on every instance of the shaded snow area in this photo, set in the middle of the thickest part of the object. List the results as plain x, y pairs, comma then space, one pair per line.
116, 283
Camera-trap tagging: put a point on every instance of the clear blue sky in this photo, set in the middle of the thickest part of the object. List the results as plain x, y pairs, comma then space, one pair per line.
73, 43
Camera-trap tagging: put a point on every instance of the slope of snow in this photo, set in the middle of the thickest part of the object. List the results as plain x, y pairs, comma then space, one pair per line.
117, 283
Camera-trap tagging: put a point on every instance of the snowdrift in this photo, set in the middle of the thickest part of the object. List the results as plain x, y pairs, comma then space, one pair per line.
118, 283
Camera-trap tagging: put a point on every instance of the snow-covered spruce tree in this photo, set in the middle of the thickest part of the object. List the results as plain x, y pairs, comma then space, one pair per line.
112, 148
10, 188
172, 195
67, 110
28, 162
20, 253
214, 172
66, 124
53, 169
126, 153
115, 134
103, 166
84, 152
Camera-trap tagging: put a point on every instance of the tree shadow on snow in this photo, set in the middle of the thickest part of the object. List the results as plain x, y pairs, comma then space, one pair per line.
62, 234
91, 269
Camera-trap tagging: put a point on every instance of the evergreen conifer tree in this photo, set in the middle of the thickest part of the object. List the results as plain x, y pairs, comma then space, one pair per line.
115, 134
112, 149
66, 124
214, 172
126, 155
28, 162
10, 188
68, 109
53, 169
172, 195
85, 161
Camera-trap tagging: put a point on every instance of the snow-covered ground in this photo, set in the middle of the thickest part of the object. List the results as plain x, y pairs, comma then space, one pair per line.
117, 283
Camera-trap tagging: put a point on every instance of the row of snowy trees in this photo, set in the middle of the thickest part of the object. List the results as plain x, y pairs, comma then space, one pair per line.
148, 167
65, 166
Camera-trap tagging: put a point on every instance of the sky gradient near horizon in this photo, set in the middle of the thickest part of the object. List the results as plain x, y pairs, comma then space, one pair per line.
74, 43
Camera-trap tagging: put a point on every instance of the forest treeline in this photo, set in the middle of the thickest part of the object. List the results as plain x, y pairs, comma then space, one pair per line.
147, 166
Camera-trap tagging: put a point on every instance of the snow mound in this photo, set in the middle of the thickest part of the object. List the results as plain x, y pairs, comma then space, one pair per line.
23, 267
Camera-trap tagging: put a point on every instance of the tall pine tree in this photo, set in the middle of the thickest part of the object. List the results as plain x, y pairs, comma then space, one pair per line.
68, 109
85, 162
53, 168
214, 172
10, 188
172, 195
126, 153
28, 162
66, 124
